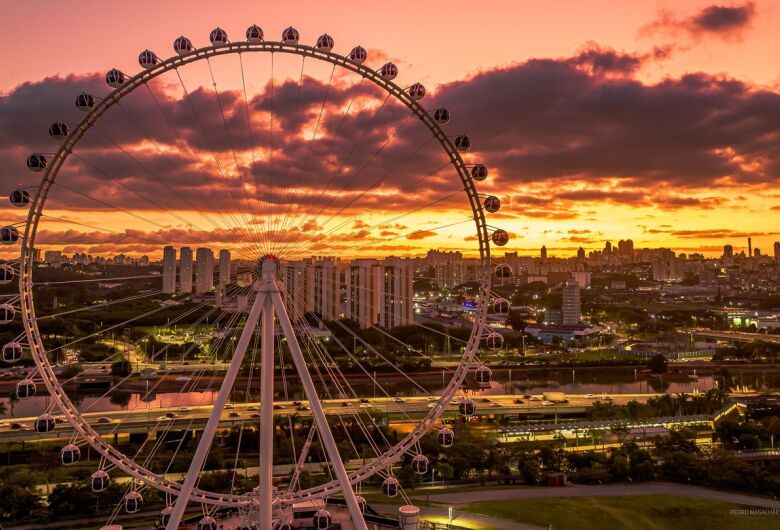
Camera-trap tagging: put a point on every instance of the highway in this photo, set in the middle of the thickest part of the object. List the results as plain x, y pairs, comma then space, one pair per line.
398, 409
736, 336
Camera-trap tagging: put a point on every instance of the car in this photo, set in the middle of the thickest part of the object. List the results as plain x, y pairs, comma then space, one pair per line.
59, 420
255, 415
253, 408
485, 400
399, 400
170, 415
17, 426
590, 396
234, 415
229, 406
547, 403
345, 403
518, 402
277, 406
527, 396
302, 408
608, 398
184, 409
183, 379
431, 405
535, 398
494, 404
297, 403
364, 400
163, 418
103, 419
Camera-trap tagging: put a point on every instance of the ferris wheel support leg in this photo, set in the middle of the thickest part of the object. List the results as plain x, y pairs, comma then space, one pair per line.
219, 404
267, 415
326, 436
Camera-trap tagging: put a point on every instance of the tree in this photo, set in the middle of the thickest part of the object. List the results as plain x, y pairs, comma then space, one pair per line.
444, 470
121, 368
657, 364
72, 370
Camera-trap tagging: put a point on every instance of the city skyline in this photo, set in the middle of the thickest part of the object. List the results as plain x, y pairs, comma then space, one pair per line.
661, 53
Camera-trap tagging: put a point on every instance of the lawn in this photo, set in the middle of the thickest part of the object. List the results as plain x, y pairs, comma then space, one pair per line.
646, 512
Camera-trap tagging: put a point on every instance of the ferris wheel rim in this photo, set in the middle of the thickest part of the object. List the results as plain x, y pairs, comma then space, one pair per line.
39, 354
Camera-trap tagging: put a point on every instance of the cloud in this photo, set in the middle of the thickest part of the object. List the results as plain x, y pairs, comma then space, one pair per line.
420, 234
724, 22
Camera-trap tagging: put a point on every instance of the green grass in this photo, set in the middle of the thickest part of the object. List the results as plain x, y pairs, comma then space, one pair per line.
646, 512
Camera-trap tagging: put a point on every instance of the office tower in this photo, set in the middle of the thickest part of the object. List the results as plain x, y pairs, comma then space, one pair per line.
396, 305
327, 295
364, 283
543, 253
571, 307
666, 266
205, 270
299, 284
185, 270
224, 270
728, 252
626, 248
777, 249
169, 269
757, 252
449, 269
53, 258
750, 246
581, 256
608, 248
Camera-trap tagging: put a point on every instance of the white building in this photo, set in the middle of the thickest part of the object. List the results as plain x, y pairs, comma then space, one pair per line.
571, 308
169, 269
185, 270
299, 283
364, 285
327, 288
397, 297
205, 270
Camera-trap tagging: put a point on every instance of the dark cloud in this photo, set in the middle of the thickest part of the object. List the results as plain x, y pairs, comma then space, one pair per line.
725, 22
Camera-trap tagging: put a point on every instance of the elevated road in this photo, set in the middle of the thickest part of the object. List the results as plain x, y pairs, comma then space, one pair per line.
149, 420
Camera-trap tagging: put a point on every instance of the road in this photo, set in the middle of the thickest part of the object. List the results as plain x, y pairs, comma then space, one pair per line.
737, 336
399, 409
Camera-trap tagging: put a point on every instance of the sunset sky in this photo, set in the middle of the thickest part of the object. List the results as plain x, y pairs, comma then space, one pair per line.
600, 120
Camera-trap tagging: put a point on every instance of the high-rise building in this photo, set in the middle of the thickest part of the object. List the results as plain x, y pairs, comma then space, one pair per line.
571, 307
449, 269
777, 249
728, 252
299, 284
750, 246
169, 269
205, 270
185, 270
364, 285
224, 270
53, 258
608, 248
327, 295
666, 266
581, 256
543, 253
397, 299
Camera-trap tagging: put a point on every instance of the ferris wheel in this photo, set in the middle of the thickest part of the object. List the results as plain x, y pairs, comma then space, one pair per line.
215, 147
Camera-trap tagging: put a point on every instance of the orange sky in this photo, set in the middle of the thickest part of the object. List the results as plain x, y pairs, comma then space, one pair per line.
441, 46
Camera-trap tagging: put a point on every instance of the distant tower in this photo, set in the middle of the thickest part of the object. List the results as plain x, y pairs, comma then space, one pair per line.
205, 267
169, 269
571, 306
397, 297
364, 285
581, 256
750, 247
224, 270
543, 253
777, 250
728, 255
185, 270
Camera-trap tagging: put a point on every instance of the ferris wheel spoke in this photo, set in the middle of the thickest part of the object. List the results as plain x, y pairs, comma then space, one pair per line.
239, 171
294, 194
225, 179
231, 221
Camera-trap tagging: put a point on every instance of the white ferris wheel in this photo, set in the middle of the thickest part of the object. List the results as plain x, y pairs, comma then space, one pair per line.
229, 158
